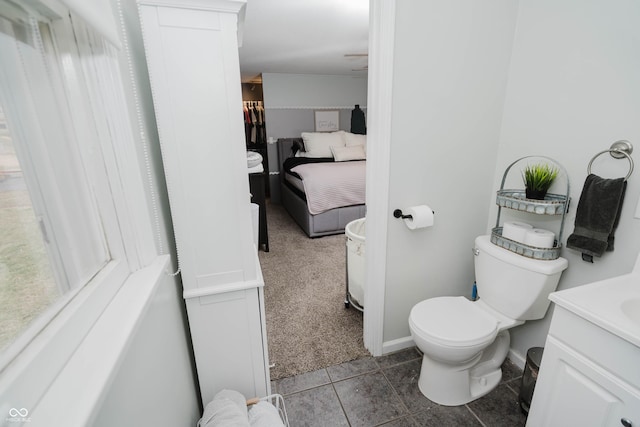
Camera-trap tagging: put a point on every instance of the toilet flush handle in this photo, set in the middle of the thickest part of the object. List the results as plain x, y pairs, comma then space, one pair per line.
475, 251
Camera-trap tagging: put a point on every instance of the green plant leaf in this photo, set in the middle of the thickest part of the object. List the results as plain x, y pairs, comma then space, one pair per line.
539, 177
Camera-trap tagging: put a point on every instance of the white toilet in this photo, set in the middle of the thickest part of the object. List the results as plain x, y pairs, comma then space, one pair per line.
465, 342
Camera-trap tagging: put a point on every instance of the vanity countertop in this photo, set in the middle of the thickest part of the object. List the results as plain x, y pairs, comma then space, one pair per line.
612, 304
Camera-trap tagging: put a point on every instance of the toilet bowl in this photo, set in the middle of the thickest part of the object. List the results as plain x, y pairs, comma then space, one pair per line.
465, 342
451, 329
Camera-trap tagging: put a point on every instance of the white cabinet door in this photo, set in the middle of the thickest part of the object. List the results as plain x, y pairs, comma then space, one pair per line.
192, 55
571, 390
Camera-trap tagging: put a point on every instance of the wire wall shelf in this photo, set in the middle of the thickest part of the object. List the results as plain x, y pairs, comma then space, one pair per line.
552, 204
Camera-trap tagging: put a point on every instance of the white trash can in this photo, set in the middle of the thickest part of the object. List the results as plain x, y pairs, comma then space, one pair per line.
355, 232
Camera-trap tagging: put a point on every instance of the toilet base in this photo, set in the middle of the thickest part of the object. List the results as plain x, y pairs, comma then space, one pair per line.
451, 385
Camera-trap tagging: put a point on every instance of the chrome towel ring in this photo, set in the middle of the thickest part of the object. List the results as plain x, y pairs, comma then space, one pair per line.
619, 150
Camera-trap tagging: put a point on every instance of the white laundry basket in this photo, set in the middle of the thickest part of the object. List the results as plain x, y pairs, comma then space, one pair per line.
355, 232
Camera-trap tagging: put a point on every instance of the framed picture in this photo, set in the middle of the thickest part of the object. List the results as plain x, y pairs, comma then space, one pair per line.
327, 120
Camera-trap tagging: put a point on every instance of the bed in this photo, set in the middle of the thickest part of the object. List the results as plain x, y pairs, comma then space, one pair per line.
328, 214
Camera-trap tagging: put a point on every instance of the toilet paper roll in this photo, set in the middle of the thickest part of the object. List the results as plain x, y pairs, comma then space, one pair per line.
539, 238
421, 217
516, 230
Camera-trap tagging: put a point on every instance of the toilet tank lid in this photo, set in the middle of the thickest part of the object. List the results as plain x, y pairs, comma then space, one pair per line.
547, 267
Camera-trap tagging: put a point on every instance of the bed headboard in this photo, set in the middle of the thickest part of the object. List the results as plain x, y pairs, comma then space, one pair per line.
287, 148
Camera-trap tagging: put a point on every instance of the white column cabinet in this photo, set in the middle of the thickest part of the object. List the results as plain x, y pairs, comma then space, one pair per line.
191, 48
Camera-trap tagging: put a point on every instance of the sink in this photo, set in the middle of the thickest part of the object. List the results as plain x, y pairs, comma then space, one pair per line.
631, 309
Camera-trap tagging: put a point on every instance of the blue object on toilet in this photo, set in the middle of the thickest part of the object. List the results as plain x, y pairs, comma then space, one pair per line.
474, 292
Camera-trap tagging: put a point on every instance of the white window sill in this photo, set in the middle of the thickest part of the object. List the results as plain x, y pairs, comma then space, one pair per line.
76, 394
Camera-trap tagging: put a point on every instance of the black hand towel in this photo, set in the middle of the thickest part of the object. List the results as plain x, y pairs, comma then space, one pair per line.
597, 216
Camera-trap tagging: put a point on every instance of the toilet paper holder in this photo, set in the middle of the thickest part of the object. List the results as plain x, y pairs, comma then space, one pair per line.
398, 214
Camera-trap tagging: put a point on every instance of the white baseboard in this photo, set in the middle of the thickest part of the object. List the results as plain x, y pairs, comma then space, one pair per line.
517, 359
397, 344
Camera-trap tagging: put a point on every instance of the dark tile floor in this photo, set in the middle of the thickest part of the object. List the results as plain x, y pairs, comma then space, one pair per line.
378, 391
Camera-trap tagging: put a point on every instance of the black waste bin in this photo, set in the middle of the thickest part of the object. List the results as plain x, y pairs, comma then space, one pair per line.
529, 376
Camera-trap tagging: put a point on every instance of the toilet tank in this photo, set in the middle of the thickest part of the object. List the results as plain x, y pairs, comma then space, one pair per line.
512, 284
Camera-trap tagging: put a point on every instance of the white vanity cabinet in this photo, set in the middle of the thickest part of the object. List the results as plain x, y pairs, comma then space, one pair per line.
191, 47
588, 375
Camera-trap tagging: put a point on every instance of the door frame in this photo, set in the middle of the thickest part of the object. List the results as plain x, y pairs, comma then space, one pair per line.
382, 15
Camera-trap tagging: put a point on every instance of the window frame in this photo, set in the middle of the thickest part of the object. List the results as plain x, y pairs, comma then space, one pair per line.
90, 81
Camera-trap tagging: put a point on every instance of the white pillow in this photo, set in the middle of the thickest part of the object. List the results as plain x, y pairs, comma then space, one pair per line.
352, 139
343, 154
317, 144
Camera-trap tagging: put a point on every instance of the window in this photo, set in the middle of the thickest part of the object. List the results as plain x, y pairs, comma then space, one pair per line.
59, 241
62, 194
27, 284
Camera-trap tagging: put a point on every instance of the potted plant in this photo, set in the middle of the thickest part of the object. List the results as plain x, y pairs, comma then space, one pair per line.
537, 180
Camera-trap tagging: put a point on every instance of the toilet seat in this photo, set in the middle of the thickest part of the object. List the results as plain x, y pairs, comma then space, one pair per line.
453, 322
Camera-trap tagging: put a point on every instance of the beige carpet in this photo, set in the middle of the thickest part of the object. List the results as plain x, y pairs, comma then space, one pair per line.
308, 327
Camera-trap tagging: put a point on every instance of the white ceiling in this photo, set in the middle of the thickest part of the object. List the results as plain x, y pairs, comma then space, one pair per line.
304, 37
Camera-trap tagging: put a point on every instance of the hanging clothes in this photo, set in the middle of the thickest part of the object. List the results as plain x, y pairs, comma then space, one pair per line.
247, 123
254, 123
259, 123
262, 128
358, 122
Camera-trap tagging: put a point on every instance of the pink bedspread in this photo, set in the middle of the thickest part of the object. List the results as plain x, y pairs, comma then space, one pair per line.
332, 185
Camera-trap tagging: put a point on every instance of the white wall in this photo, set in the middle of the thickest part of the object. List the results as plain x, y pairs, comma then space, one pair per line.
499, 82
154, 384
290, 100
573, 90
450, 75
312, 90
